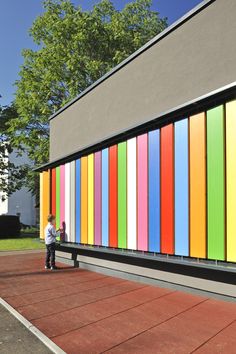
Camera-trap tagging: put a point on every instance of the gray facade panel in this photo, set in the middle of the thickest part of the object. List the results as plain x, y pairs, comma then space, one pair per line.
194, 59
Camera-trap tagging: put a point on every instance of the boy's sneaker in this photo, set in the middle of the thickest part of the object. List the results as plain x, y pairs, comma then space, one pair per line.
53, 268
47, 267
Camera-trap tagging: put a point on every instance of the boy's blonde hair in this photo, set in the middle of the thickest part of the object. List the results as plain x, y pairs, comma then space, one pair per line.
51, 218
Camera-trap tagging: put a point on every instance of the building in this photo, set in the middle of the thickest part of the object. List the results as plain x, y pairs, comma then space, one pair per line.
144, 172
21, 202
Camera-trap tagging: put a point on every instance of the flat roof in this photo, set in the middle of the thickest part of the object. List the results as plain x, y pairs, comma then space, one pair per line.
150, 43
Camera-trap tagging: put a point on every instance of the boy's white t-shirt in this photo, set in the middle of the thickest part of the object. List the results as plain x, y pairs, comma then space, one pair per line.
50, 234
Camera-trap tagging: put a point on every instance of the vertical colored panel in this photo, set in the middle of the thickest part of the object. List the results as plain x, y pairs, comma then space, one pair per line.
122, 195
84, 199
231, 179
142, 170
131, 194
98, 199
58, 197
167, 189
197, 185
53, 191
91, 199
72, 201
105, 196
154, 190
44, 200
78, 203
113, 242
41, 204
67, 202
62, 196
181, 188
46, 196
215, 183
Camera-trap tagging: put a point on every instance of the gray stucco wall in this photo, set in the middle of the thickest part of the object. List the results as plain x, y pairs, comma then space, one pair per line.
194, 59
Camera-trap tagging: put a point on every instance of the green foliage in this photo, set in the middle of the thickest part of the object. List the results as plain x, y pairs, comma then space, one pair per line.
75, 48
12, 176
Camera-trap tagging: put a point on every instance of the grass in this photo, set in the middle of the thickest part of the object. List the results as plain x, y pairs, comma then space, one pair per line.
21, 243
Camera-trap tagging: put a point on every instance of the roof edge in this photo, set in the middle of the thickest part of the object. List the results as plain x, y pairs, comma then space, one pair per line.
142, 49
196, 105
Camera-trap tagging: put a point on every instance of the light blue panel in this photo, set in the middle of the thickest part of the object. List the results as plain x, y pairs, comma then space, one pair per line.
105, 205
181, 188
154, 190
77, 201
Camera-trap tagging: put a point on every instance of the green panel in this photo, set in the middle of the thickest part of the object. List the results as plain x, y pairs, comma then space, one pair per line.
215, 183
122, 192
57, 197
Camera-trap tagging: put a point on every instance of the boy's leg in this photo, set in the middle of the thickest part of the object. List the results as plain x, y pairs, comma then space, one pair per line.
53, 246
48, 254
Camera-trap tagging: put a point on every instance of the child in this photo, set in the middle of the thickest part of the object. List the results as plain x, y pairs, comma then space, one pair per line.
50, 241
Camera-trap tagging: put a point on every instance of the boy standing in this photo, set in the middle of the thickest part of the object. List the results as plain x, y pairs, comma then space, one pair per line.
50, 241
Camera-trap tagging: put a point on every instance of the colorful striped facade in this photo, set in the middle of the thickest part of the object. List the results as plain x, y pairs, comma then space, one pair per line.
171, 190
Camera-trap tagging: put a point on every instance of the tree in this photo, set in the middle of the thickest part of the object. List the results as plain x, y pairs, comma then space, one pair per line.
75, 48
12, 176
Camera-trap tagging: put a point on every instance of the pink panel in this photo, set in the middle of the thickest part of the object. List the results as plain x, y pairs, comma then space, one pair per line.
62, 195
142, 177
97, 197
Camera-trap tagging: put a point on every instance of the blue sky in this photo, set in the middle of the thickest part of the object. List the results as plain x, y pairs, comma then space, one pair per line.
16, 17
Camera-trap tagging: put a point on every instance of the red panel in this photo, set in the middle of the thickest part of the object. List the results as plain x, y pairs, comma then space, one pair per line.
53, 191
113, 238
167, 189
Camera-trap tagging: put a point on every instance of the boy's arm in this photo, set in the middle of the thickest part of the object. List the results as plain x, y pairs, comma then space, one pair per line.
53, 231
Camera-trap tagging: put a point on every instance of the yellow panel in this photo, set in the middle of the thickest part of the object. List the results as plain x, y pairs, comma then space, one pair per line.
44, 200
91, 199
84, 199
197, 171
231, 179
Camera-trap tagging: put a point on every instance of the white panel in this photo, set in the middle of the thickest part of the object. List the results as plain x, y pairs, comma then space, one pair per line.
67, 202
72, 201
131, 193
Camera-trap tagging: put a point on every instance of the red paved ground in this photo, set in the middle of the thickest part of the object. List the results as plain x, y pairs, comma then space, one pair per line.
86, 312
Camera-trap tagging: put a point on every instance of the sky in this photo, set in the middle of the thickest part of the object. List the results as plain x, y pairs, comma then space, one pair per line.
16, 17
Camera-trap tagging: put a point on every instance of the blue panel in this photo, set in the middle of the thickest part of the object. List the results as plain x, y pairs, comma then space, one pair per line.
105, 206
181, 188
154, 190
77, 202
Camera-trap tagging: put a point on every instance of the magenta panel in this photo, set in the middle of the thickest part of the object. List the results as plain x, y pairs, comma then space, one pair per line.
142, 174
98, 198
62, 196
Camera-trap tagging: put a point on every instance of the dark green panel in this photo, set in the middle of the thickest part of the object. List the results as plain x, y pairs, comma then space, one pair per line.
215, 184
122, 192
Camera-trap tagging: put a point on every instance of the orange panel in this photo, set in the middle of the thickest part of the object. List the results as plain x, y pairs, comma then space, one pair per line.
44, 200
197, 171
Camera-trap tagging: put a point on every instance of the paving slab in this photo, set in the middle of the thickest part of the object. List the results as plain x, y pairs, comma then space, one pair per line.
91, 313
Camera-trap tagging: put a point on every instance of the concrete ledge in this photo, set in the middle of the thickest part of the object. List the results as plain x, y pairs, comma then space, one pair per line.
212, 279
153, 276
44, 339
65, 255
